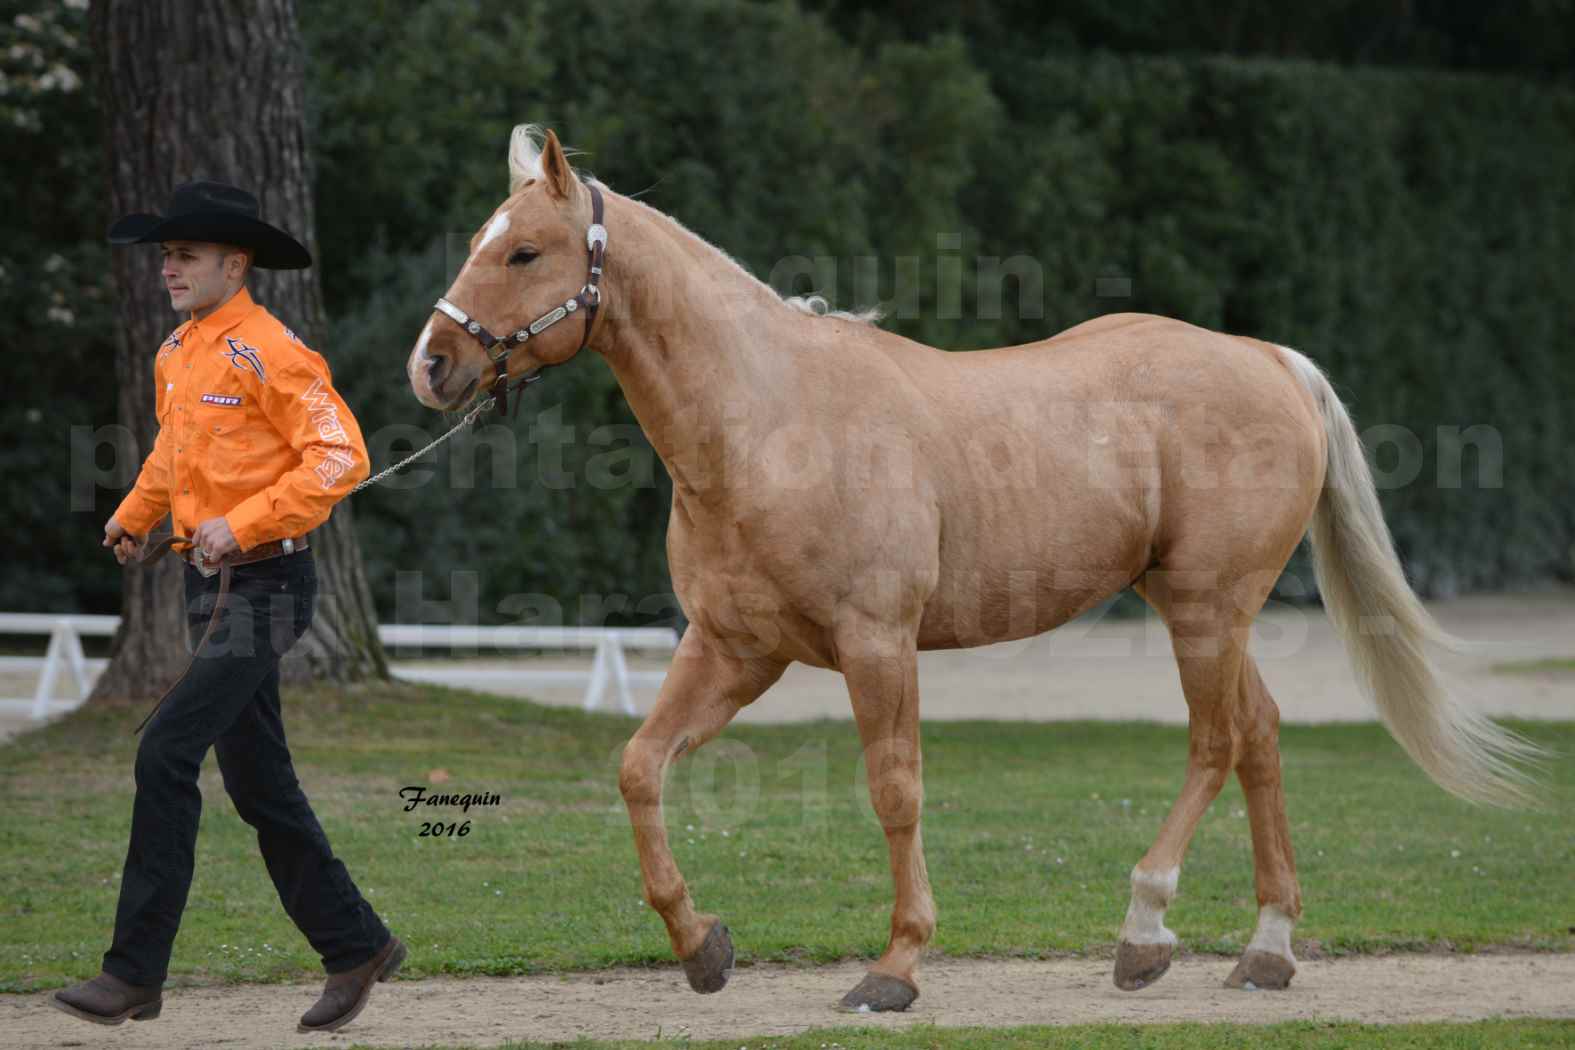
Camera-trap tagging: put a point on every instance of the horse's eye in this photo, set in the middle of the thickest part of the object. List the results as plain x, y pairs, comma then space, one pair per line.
521, 256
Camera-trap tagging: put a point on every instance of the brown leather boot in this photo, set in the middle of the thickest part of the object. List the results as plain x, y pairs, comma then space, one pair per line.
345, 994
106, 999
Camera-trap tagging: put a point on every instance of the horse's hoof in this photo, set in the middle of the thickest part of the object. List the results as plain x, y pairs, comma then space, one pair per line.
1261, 970
1140, 965
879, 992
709, 968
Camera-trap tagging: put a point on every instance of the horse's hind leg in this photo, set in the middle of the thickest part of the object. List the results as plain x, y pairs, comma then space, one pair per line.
1267, 962
880, 664
1208, 637
702, 692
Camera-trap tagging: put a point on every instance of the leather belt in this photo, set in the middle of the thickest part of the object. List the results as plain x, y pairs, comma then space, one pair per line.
261, 552
226, 570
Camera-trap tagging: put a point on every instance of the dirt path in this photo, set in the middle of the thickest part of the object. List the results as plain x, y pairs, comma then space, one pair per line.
776, 1000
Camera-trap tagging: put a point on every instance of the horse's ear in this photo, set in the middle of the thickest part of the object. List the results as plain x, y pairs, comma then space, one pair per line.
555, 167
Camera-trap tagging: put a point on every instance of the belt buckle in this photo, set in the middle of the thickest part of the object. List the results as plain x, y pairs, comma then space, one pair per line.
199, 561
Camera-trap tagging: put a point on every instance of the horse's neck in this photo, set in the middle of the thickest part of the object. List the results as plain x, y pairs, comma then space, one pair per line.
696, 344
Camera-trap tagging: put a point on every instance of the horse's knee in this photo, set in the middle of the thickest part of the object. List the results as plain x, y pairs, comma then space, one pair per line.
640, 774
898, 797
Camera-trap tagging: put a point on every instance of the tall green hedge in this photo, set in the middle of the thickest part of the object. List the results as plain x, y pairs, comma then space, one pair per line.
1411, 231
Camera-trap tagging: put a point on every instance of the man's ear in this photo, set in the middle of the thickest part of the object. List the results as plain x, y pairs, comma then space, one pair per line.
561, 181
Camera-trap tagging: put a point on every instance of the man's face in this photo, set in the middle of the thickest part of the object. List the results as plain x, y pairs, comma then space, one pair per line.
200, 276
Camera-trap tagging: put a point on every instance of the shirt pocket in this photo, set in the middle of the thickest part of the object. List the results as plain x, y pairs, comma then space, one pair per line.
227, 439
226, 430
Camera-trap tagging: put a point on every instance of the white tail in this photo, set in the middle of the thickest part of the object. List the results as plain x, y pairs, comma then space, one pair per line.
1386, 629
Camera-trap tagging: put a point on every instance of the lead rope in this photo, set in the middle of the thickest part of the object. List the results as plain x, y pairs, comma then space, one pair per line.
152, 554
470, 417
146, 559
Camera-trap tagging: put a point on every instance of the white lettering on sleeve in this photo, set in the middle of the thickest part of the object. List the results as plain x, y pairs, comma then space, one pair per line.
325, 417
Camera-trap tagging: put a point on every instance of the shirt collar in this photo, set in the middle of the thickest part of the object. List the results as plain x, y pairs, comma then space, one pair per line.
227, 316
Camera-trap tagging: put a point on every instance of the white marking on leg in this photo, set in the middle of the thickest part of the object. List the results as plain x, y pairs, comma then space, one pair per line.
1273, 934
1152, 893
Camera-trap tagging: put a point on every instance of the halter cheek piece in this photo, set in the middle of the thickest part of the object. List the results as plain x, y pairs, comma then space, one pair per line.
585, 302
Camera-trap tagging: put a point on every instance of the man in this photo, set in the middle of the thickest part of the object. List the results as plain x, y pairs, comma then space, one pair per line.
254, 449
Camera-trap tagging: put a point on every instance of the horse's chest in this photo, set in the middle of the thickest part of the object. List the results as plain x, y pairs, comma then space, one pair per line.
763, 589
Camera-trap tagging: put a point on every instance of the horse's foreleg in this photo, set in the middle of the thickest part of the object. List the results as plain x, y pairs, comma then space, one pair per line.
704, 689
1267, 961
882, 672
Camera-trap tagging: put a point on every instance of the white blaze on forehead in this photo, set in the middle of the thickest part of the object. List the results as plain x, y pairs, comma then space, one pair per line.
499, 223
494, 230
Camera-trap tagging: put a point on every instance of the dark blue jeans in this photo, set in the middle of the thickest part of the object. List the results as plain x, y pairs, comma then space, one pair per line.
229, 701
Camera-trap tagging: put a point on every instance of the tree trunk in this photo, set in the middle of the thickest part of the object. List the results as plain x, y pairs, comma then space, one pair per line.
213, 89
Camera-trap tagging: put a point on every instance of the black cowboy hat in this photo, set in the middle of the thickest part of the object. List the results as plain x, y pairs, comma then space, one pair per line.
218, 213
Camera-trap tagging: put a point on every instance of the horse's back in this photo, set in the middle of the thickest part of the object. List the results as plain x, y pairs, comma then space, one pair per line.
1077, 463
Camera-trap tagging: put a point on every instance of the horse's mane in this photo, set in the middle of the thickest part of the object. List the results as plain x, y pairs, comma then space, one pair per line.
525, 146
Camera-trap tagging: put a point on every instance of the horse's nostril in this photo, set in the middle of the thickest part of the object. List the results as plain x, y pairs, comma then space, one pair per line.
437, 369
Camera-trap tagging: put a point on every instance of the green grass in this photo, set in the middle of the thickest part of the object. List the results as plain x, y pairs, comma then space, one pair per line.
1554, 665
1031, 831
1483, 1035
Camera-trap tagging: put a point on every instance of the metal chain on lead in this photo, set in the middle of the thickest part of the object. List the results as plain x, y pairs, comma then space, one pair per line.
470, 417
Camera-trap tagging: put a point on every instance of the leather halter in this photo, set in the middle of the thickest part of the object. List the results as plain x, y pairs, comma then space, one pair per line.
586, 302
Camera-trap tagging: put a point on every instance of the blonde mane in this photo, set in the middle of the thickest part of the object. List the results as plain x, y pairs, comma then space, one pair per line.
525, 146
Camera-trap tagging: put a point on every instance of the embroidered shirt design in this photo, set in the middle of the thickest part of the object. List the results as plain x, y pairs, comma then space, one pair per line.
243, 356
221, 399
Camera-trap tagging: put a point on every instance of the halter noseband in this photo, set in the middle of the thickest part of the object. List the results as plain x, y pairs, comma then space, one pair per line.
586, 301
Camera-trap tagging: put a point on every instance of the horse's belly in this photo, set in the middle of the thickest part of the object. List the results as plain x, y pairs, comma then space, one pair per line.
1016, 565
985, 607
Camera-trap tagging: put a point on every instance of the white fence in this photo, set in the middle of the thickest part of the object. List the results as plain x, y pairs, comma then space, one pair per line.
608, 667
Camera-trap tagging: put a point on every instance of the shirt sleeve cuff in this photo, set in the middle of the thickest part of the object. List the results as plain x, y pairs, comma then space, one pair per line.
248, 521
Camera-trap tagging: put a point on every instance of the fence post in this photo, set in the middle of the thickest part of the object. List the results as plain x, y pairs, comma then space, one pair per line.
620, 671
64, 648
598, 683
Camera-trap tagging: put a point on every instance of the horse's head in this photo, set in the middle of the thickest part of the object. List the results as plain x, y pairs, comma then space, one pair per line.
525, 285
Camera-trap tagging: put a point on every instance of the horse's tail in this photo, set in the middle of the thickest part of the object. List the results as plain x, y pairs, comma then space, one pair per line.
1386, 629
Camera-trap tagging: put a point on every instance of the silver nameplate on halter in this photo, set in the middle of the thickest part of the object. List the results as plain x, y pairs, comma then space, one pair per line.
546, 319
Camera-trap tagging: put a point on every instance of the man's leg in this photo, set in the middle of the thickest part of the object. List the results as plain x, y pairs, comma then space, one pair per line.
164, 817
313, 885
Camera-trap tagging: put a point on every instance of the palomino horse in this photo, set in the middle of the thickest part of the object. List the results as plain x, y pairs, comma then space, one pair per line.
845, 497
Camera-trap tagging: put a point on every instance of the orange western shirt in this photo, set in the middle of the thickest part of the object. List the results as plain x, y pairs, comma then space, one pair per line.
250, 427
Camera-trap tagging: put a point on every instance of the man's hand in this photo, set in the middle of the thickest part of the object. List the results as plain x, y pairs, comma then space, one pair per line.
215, 539
123, 543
